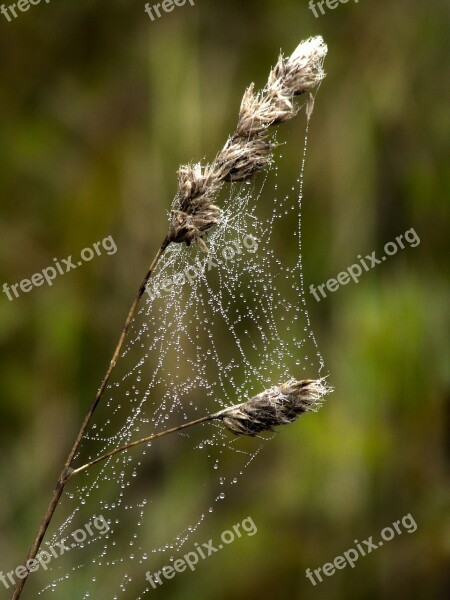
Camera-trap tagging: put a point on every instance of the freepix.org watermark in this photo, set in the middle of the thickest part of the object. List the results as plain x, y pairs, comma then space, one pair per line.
207, 549
355, 271
61, 267
193, 272
154, 12
44, 557
350, 556
330, 4
10, 11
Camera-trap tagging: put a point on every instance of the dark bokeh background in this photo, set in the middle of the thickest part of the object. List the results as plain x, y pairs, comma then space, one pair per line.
98, 108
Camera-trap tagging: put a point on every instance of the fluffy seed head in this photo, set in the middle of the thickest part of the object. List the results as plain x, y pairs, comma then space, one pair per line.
193, 212
249, 150
242, 158
299, 73
303, 70
279, 405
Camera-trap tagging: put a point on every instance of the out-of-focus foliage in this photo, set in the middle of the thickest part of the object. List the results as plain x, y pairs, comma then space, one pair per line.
98, 107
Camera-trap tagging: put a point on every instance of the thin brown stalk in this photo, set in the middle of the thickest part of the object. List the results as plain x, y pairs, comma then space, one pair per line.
64, 476
144, 440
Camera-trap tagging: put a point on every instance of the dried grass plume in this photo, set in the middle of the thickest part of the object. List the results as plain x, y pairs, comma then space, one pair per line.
279, 405
249, 150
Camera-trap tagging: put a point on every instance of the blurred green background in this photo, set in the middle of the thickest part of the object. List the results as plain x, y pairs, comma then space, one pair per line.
99, 106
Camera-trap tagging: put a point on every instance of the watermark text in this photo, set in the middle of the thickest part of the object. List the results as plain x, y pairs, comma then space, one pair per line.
355, 271
44, 557
363, 548
61, 267
205, 550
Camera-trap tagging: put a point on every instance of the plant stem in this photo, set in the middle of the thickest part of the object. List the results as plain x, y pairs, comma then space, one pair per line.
144, 440
65, 473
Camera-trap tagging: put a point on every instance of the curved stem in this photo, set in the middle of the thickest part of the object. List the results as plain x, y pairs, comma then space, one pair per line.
144, 440
64, 476
150, 438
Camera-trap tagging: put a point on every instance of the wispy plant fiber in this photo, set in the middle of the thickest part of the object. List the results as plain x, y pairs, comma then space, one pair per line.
250, 149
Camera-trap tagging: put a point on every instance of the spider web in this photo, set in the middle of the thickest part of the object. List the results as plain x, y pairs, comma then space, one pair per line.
214, 328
